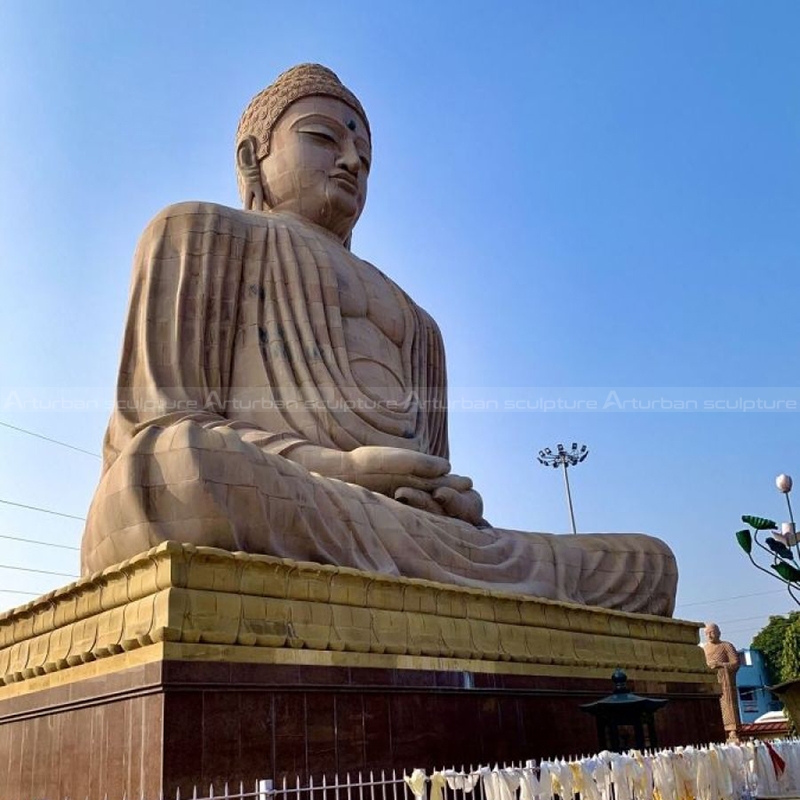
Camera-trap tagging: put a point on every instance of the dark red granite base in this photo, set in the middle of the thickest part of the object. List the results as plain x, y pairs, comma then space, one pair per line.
169, 725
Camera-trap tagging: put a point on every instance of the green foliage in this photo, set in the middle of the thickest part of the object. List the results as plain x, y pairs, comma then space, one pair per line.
770, 640
790, 662
790, 655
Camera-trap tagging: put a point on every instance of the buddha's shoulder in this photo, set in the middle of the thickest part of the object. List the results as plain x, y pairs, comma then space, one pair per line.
199, 216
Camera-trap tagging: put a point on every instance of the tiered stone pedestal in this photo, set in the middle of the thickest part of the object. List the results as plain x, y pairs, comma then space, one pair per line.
190, 665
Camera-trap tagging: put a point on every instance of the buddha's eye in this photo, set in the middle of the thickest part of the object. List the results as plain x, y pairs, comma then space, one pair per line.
320, 133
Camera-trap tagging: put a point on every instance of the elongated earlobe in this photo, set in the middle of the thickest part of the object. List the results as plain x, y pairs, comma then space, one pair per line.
250, 174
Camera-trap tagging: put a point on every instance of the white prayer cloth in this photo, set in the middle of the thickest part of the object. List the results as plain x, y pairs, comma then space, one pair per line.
417, 783
461, 781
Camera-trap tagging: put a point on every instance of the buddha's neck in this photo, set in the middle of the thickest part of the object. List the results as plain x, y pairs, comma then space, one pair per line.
343, 241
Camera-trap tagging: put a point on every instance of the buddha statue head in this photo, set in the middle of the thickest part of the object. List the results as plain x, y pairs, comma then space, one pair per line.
303, 146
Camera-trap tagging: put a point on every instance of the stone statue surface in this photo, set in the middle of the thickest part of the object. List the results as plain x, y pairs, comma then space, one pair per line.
723, 657
279, 395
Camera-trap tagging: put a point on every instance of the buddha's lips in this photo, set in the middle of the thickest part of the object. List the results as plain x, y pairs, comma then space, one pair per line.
347, 178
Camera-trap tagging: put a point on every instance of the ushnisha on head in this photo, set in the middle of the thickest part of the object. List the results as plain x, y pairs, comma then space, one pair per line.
304, 146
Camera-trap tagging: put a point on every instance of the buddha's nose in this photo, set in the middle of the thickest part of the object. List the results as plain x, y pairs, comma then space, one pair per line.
348, 157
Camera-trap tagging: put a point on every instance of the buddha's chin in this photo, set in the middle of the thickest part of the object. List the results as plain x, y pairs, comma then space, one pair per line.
344, 202
341, 213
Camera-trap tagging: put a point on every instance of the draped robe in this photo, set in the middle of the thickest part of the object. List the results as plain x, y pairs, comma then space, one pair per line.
234, 353
723, 657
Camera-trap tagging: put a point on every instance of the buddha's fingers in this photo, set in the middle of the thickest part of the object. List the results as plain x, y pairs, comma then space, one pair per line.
418, 499
467, 506
397, 461
461, 483
388, 483
458, 483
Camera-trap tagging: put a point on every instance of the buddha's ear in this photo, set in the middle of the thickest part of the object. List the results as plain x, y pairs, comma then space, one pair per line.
250, 172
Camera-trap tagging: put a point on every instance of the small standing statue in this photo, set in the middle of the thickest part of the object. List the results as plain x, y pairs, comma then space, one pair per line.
722, 657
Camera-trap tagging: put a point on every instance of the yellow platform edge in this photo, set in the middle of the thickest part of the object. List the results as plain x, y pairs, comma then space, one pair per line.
181, 602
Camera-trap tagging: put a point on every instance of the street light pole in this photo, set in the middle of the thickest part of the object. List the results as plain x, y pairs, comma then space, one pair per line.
565, 458
569, 497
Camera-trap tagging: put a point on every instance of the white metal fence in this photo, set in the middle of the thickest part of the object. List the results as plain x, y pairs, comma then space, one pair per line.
360, 787
383, 786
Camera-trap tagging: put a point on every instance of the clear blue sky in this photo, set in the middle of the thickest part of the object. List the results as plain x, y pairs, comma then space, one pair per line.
587, 196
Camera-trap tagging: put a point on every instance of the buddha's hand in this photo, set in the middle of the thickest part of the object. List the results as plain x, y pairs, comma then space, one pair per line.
379, 469
416, 479
456, 499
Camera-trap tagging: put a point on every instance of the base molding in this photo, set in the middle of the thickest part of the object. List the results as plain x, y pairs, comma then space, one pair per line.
258, 606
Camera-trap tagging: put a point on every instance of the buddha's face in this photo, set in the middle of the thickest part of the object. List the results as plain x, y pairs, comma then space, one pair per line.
318, 163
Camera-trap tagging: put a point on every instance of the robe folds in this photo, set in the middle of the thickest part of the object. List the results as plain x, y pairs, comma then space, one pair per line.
235, 352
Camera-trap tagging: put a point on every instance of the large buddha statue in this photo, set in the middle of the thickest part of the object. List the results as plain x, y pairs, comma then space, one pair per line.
279, 395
